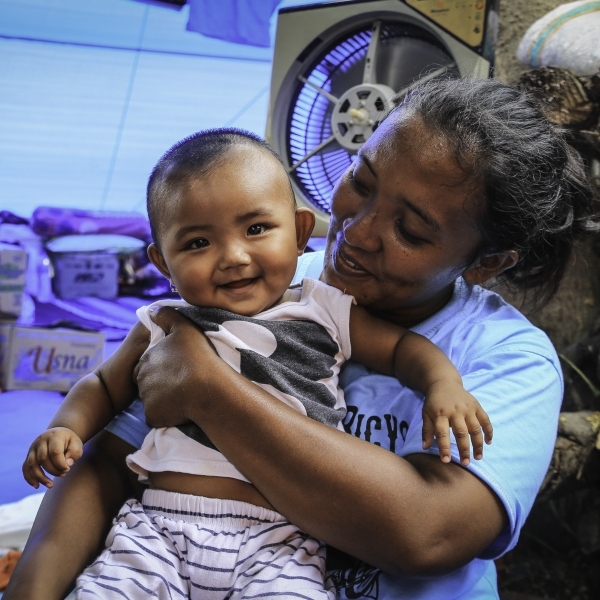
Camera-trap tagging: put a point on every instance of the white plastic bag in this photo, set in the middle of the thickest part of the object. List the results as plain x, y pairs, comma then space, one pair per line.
568, 37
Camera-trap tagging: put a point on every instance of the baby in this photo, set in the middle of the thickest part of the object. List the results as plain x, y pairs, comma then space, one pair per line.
227, 233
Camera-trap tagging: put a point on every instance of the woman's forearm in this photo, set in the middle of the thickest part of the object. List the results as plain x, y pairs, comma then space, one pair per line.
395, 514
415, 515
73, 521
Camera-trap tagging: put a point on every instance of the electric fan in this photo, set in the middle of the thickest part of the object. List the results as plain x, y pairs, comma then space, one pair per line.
339, 67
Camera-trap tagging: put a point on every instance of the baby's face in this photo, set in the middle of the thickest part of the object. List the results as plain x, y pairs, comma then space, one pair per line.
230, 238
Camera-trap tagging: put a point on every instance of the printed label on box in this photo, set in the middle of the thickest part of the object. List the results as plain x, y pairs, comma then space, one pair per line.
86, 274
49, 359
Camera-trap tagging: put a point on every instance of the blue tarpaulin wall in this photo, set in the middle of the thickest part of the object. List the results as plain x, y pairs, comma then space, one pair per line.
92, 93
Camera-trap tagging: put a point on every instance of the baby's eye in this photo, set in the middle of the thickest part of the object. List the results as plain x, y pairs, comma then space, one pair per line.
198, 243
256, 229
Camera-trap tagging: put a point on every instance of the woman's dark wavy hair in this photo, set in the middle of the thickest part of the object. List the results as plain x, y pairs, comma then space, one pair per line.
192, 157
537, 199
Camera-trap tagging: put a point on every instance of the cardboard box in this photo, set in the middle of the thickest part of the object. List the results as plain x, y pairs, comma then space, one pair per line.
34, 358
13, 265
85, 274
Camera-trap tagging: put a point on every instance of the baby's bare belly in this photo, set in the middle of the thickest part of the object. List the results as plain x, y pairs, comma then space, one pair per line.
209, 487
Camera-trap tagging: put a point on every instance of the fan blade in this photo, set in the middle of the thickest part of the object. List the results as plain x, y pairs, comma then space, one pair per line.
321, 91
312, 152
371, 58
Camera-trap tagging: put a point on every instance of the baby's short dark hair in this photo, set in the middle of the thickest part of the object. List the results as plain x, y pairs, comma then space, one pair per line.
193, 157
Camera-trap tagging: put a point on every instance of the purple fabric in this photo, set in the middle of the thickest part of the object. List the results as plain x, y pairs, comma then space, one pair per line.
239, 21
50, 221
114, 318
9, 217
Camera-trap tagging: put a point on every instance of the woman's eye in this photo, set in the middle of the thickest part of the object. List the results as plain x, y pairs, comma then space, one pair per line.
409, 237
197, 244
256, 229
360, 187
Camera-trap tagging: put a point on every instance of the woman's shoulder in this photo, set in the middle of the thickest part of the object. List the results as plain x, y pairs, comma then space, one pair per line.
310, 265
479, 321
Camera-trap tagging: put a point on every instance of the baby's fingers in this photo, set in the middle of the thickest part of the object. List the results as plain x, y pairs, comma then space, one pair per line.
428, 431
442, 434
74, 450
486, 425
33, 473
46, 458
57, 456
474, 429
463, 441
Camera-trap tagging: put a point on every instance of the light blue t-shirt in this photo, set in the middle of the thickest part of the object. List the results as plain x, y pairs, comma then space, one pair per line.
511, 367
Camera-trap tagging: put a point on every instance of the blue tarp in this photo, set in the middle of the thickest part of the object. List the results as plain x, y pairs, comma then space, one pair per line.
239, 21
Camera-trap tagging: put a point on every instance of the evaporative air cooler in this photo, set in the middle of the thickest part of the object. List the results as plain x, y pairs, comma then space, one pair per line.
338, 67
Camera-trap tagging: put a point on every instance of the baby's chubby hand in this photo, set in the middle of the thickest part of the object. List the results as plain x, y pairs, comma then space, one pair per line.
54, 452
449, 405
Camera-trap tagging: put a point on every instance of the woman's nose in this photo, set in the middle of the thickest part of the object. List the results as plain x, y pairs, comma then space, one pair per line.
362, 230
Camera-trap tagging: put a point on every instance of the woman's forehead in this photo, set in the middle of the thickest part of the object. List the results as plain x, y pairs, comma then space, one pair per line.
407, 136
414, 164
405, 132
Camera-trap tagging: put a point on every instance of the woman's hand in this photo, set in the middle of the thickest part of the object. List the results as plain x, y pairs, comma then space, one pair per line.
170, 375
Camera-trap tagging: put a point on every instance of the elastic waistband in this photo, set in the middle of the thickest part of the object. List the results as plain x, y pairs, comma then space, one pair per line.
197, 509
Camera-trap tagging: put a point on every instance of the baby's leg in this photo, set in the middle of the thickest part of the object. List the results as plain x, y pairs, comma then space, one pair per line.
279, 560
139, 561
239, 551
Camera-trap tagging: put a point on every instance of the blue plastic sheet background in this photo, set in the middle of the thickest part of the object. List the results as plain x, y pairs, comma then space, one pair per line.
92, 93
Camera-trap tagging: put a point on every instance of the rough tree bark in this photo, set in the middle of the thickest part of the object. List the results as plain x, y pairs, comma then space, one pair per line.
558, 552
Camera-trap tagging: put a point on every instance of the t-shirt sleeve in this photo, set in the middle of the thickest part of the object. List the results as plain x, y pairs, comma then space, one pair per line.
130, 425
521, 391
309, 265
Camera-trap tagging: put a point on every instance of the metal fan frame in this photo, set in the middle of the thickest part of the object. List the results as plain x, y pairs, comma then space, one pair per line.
338, 21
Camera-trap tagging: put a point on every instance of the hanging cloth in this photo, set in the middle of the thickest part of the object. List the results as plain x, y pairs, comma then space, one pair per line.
239, 21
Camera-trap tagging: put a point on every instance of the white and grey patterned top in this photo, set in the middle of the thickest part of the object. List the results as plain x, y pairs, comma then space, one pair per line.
293, 350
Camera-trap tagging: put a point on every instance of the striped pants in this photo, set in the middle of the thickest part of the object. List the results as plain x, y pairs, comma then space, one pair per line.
174, 546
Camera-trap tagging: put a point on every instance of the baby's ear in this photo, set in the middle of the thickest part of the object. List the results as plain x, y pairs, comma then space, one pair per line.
489, 266
305, 223
155, 255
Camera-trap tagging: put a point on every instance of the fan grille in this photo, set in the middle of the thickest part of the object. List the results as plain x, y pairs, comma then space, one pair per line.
338, 68
310, 123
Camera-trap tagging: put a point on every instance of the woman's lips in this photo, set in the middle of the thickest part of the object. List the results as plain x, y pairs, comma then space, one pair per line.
348, 265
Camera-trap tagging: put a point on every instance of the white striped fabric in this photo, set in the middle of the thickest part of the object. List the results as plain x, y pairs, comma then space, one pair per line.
176, 546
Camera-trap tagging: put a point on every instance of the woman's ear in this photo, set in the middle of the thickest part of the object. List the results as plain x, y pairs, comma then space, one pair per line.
305, 223
156, 257
489, 266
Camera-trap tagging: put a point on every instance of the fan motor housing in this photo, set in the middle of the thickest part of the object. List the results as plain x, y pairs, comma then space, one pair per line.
338, 67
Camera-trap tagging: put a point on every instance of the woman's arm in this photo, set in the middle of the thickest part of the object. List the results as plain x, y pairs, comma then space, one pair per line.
73, 521
413, 515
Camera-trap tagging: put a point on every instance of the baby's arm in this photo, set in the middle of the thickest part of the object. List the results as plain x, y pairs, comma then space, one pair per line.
88, 407
420, 364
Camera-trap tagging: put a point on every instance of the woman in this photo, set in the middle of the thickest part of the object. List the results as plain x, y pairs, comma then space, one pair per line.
465, 182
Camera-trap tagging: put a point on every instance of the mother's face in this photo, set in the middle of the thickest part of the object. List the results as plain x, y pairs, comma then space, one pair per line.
403, 223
